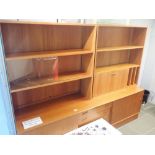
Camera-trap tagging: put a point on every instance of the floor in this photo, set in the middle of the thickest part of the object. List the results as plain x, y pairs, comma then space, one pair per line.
144, 125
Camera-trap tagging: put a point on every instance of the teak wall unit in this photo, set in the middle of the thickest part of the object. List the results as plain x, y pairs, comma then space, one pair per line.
98, 67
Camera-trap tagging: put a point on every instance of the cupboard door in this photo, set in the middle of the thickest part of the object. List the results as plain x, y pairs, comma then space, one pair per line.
126, 109
110, 81
94, 114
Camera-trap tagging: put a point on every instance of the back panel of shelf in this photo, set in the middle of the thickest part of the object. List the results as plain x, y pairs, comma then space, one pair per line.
34, 96
120, 36
43, 94
29, 38
108, 58
112, 58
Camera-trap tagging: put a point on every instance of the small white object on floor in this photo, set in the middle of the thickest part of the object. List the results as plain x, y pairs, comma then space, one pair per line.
98, 127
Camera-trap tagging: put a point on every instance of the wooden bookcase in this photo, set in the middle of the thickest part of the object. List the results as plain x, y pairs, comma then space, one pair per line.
97, 69
118, 57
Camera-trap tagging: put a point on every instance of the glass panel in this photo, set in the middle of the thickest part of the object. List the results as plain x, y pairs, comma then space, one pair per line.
37, 68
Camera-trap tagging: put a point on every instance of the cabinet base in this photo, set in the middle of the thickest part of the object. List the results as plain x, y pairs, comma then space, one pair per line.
126, 120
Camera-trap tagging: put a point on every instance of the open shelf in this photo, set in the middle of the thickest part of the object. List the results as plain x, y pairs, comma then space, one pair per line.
37, 83
115, 68
118, 48
43, 54
120, 37
64, 107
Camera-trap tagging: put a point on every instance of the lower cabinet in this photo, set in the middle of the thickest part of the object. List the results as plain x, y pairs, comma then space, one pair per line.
126, 109
117, 113
73, 122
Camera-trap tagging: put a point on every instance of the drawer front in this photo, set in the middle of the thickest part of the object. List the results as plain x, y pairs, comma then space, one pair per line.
110, 81
94, 114
57, 128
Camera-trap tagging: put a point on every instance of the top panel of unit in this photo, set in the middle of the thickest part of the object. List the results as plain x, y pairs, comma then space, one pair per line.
67, 24
43, 23
121, 25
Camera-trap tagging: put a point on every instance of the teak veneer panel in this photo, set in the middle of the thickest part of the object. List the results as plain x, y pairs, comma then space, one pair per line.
138, 37
120, 36
126, 107
44, 94
19, 38
103, 111
110, 81
113, 36
112, 58
57, 128
136, 56
125, 120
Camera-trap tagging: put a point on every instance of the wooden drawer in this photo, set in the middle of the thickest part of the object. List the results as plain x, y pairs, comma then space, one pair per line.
56, 128
94, 114
125, 108
110, 81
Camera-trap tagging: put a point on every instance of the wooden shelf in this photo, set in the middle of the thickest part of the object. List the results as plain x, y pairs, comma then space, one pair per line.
64, 107
43, 54
119, 48
114, 68
37, 83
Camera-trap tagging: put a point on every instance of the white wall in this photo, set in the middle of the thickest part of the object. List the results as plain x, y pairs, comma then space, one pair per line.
4, 130
148, 76
143, 81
